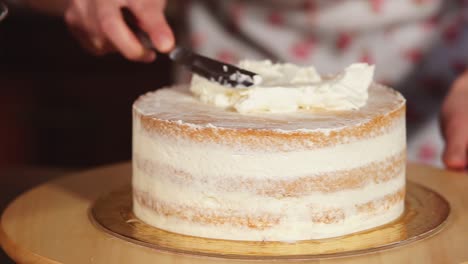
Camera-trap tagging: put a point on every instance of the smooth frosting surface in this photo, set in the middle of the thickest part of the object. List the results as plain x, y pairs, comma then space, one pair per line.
288, 88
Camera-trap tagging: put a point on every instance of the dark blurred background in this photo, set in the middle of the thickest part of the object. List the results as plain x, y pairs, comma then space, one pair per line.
61, 109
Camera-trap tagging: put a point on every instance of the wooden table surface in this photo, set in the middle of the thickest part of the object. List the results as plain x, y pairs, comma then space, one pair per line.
50, 224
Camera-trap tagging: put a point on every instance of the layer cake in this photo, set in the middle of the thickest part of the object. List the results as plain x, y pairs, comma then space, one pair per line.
210, 171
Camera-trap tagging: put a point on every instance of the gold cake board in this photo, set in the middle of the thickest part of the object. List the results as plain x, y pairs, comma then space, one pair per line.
425, 214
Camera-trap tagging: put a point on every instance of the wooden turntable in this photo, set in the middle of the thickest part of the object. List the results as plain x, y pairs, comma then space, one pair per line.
52, 223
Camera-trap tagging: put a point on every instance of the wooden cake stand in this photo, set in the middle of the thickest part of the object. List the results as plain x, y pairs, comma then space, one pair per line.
53, 224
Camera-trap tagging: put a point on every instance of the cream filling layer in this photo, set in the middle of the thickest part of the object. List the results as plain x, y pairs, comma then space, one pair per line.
283, 232
201, 195
222, 161
296, 213
288, 230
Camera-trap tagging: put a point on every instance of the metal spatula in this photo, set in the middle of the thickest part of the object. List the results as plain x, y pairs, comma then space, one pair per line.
223, 73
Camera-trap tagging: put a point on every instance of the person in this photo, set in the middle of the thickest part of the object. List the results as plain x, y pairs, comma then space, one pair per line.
419, 47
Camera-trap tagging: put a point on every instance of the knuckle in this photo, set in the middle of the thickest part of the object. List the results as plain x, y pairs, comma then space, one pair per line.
98, 43
97, 48
70, 17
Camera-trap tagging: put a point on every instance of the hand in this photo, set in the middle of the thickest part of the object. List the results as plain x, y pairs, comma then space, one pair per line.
455, 124
100, 28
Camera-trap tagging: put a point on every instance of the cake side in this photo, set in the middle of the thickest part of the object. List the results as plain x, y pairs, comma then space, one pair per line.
206, 176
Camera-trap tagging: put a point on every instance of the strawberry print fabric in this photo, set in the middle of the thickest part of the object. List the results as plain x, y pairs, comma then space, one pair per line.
418, 46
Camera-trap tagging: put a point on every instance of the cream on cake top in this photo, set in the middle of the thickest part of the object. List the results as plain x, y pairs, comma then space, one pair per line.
177, 104
287, 88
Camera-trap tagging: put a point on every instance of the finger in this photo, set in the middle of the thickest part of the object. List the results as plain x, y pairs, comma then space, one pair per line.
98, 46
101, 46
114, 28
150, 15
80, 15
455, 153
93, 44
82, 25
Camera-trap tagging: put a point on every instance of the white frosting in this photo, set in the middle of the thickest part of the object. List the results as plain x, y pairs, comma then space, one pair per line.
202, 194
213, 160
208, 163
296, 212
288, 88
284, 232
